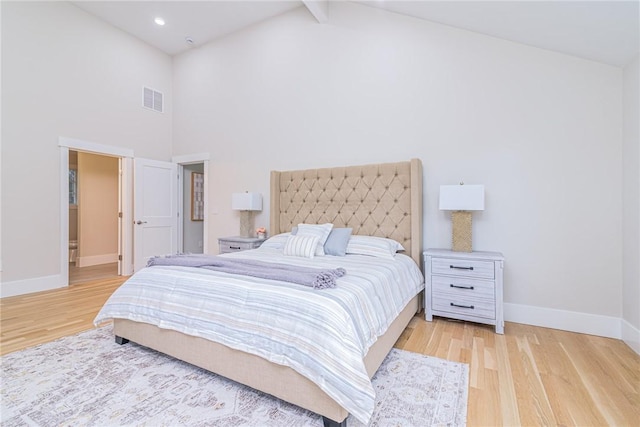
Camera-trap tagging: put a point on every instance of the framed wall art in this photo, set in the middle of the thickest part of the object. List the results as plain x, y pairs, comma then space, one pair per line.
197, 196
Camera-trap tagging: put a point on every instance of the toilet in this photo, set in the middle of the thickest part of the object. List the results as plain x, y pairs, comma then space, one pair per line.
73, 250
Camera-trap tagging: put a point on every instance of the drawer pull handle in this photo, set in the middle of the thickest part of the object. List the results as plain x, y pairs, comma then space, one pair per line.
451, 285
462, 306
234, 247
461, 268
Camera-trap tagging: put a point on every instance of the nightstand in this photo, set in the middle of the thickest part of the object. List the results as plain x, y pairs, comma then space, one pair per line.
237, 243
464, 286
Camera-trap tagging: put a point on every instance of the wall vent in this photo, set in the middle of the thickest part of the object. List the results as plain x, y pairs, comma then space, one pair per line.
152, 99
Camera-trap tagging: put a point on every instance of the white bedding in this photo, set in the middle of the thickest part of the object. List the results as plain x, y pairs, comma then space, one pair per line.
322, 334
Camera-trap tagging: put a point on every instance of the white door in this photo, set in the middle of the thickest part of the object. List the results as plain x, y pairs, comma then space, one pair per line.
155, 210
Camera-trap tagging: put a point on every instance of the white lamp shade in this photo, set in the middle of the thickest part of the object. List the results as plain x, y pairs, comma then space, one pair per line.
246, 201
462, 197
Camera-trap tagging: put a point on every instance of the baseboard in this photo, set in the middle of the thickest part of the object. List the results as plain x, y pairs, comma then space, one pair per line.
88, 261
631, 336
584, 323
27, 286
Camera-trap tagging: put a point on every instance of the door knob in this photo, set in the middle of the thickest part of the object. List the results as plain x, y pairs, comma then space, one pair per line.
141, 222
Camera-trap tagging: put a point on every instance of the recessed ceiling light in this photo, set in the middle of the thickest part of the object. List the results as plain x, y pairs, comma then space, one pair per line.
159, 21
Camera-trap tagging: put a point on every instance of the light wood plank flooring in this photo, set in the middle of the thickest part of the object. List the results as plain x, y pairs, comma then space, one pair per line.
31, 319
534, 376
91, 273
529, 376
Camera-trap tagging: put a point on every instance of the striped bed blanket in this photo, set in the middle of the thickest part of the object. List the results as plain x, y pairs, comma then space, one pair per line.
323, 335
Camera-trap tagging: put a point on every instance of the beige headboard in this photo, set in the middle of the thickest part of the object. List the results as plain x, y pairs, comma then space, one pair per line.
376, 200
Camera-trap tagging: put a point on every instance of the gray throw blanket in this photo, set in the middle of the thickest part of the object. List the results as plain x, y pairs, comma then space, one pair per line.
307, 276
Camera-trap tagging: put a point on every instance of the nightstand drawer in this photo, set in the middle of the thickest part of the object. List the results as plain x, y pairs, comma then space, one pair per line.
237, 244
226, 247
463, 287
463, 267
468, 306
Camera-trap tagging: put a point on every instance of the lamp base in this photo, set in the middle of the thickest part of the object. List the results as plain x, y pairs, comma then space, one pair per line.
461, 231
246, 224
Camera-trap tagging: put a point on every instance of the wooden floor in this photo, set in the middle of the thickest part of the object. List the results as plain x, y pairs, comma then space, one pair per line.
94, 272
27, 320
530, 376
533, 376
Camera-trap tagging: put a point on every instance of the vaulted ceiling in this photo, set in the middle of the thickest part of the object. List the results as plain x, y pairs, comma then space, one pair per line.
607, 31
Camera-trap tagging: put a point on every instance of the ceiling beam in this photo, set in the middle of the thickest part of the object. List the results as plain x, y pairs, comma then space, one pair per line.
318, 8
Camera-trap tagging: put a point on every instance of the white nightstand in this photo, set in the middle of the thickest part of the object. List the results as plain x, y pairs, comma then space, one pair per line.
237, 243
465, 286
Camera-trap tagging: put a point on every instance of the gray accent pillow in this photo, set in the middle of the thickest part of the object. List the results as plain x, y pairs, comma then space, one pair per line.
337, 241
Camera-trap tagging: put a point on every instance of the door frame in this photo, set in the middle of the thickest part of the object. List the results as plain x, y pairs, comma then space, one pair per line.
181, 161
126, 197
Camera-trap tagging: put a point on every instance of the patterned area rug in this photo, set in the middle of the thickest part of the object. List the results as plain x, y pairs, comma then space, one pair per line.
87, 379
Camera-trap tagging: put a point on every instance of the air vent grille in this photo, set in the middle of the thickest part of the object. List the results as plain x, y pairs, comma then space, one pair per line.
152, 99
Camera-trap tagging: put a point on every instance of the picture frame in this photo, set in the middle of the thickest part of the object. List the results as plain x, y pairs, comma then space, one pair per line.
197, 196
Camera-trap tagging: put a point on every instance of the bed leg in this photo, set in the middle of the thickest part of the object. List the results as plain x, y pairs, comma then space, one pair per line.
121, 341
330, 423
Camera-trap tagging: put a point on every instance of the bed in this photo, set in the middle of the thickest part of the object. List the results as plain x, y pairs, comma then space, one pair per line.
382, 200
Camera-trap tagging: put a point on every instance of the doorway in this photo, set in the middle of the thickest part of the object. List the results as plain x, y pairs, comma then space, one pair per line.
193, 224
94, 190
193, 208
124, 238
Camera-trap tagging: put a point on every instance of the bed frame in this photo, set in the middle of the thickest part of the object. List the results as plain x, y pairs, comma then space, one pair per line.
379, 200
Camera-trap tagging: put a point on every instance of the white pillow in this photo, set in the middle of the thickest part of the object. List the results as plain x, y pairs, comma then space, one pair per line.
319, 230
304, 246
373, 246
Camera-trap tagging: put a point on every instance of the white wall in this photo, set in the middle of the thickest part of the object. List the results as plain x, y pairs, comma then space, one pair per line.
631, 207
541, 131
65, 73
98, 209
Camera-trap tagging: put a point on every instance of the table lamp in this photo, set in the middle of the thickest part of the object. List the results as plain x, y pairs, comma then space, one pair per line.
247, 203
461, 199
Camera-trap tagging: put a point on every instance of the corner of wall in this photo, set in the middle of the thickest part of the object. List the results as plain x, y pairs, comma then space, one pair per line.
631, 336
584, 323
631, 204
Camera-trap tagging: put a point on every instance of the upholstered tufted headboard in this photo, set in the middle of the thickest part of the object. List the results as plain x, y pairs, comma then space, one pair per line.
376, 200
